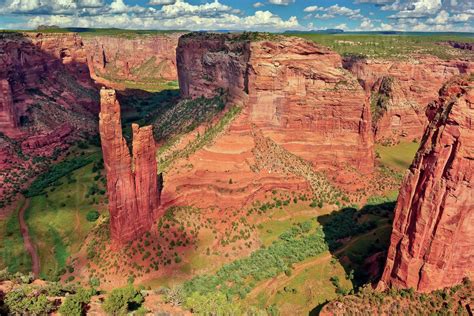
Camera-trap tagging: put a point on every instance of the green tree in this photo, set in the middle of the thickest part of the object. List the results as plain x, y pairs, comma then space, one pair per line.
27, 300
122, 300
212, 304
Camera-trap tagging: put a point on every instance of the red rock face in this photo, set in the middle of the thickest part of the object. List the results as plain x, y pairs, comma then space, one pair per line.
138, 59
431, 244
133, 194
8, 119
47, 101
294, 91
413, 84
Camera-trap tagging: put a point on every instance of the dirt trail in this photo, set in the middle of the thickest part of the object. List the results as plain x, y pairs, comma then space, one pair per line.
30, 247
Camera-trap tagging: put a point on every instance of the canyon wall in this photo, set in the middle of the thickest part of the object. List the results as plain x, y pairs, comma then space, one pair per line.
132, 187
8, 117
431, 245
400, 91
294, 91
143, 58
47, 102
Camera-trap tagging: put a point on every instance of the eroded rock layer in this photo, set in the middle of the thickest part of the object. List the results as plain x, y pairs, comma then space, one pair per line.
143, 58
296, 92
133, 194
431, 244
47, 102
400, 91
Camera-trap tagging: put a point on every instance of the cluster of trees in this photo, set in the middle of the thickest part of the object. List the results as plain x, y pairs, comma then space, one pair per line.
30, 299
239, 277
55, 173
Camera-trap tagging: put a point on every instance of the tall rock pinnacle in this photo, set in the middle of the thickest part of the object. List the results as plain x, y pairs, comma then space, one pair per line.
432, 242
133, 194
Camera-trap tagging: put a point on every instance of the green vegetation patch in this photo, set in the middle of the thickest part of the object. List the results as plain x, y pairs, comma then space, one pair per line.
13, 254
58, 219
398, 157
56, 172
239, 277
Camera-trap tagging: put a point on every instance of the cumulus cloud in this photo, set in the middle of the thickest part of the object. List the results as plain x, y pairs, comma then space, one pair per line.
258, 5
178, 15
333, 11
161, 2
281, 2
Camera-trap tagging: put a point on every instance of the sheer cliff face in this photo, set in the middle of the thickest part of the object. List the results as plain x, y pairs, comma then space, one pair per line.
143, 58
431, 245
133, 194
8, 117
400, 91
45, 82
294, 91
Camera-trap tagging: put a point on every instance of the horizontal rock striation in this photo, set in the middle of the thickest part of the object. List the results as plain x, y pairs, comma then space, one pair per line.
296, 92
132, 187
400, 91
143, 58
431, 245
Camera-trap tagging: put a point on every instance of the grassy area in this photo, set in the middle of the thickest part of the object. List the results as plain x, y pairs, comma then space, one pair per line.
398, 157
57, 219
390, 46
13, 254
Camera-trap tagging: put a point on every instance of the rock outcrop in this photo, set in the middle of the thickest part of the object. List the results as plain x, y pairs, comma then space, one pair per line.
400, 91
47, 102
132, 187
8, 118
431, 244
141, 59
295, 91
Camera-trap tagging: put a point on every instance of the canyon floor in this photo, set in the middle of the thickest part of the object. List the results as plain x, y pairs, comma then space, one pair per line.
285, 251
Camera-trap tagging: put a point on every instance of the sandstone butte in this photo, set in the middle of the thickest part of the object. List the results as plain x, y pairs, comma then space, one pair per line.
145, 57
132, 185
301, 113
401, 89
294, 91
431, 245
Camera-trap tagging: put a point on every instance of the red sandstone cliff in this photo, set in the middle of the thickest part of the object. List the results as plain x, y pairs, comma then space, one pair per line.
295, 91
8, 117
133, 194
400, 91
47, 101
143, 58
431, 244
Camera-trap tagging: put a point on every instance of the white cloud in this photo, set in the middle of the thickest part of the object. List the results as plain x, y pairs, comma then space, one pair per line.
312, 8
342, 26
258, 5
161, 2
281, 2
366, 24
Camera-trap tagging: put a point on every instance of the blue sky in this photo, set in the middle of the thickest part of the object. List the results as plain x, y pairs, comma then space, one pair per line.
262, 15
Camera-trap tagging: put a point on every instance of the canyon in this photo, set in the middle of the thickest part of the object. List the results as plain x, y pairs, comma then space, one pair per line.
430, 245
291, 94
132, 186
268, 133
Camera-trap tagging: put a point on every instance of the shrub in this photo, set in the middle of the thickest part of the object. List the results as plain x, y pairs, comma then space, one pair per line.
122, 300
74, 305
92, 216
27, 300
212, 304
